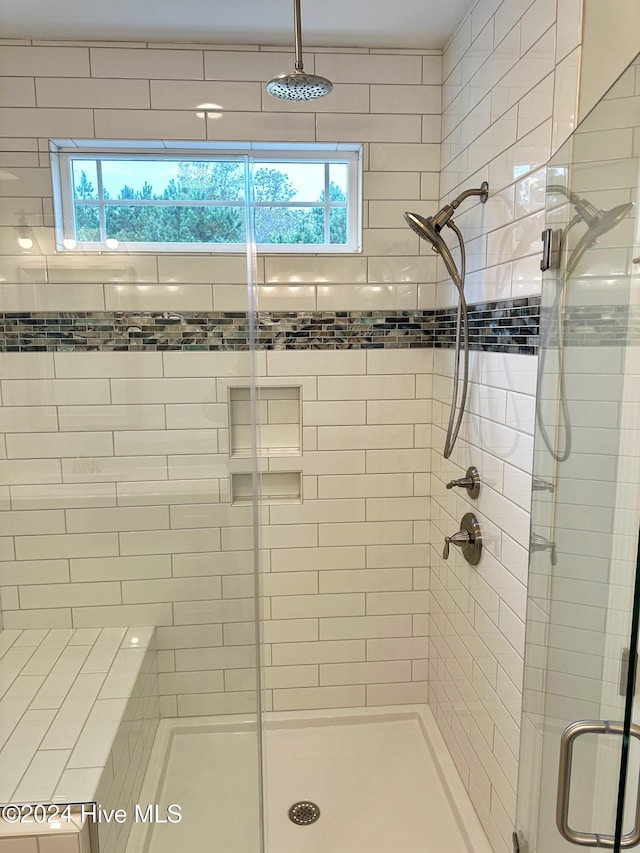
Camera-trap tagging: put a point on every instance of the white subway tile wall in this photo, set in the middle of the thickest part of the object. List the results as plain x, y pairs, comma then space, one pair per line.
390, 103
104, 535
101, 534
500, 72
120, 460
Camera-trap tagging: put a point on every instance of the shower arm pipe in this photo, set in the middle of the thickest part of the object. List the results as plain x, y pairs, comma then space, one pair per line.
483, 190
558, 188
297, 25
585, 208
442, 217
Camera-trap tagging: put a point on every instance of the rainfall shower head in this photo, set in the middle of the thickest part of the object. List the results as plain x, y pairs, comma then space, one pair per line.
298, 85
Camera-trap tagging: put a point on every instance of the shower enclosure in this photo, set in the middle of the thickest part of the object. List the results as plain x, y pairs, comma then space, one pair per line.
215, 546
186, 507
578, 782
215, 552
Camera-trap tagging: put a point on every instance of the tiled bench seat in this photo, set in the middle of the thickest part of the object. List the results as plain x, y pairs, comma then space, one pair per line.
78, 713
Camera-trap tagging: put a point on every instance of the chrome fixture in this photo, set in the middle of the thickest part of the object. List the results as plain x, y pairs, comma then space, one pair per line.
298, 85
604, 221
540, 485
551, 243
429, 229
541, 543
569, 735
470, 482
304, 813
598, 222
623, 679
468, 538
24, 236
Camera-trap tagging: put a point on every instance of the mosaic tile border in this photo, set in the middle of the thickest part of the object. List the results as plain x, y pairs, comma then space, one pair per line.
506, 326
599, 325
509, 325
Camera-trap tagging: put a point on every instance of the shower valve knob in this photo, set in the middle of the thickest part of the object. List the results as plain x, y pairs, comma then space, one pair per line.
461, 538
470, 482
468, 538
463, 482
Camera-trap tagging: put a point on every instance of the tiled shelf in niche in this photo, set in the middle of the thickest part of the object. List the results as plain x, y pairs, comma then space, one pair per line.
279, 420
276, 487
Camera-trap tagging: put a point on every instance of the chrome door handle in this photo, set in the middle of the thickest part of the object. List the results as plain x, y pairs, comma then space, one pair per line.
569, 736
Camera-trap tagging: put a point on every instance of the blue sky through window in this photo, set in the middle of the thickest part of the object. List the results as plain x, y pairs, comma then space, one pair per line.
307, 178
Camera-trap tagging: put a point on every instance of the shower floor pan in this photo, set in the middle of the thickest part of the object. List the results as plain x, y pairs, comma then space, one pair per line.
383, 781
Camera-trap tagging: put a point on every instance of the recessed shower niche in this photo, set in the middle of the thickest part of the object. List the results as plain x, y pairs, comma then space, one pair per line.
279, 435
279, 416
276, 487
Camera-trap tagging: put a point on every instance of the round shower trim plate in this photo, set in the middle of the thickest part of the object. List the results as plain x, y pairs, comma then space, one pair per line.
304, 813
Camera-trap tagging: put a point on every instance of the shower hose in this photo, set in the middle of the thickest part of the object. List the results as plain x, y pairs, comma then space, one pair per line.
555, 321
462, 331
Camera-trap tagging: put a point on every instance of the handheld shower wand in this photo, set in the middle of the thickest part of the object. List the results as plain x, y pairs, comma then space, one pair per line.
604, 221
598, 222
429, 229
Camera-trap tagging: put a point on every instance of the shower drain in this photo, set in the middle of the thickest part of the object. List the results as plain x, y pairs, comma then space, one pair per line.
304, 813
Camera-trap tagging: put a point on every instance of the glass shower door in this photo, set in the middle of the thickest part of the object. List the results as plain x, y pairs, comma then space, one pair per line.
579, 749
128, 657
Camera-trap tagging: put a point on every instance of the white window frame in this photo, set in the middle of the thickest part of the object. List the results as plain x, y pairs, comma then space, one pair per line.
64, 151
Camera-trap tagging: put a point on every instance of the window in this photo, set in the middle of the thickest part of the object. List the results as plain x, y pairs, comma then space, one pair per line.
293, 198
